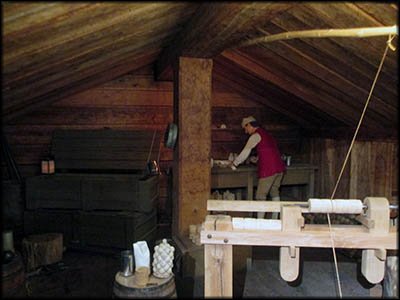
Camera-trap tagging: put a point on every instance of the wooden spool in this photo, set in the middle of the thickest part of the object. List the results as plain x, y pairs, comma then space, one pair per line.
13, 278
155, 288
42, 249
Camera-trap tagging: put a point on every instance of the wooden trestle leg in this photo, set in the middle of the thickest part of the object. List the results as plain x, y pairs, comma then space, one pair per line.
373, 260
289, 257
218, 260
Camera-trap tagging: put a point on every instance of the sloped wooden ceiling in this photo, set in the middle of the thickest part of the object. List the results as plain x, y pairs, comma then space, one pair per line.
52, 50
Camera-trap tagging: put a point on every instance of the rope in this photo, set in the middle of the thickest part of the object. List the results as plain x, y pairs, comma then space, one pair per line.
159, 151
388, 45
151, 147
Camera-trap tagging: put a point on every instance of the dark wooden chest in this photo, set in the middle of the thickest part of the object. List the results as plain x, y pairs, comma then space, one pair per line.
117, 192
102, 193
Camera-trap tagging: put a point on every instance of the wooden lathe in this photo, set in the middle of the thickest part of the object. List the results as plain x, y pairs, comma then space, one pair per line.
375, 235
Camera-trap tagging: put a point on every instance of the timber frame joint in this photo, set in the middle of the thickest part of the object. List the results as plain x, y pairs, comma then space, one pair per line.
374, 236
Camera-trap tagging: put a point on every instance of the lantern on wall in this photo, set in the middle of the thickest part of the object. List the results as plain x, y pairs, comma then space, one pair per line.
48, 166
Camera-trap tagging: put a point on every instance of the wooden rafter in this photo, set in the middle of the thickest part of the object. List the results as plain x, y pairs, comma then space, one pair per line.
219, 25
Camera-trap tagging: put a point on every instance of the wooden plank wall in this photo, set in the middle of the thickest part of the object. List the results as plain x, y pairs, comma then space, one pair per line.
136, 102
371, 170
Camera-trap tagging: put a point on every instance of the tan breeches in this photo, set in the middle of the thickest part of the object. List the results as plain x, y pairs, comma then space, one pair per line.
269, 185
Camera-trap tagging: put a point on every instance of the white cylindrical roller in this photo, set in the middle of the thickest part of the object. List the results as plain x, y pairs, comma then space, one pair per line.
238, 223
256, 224
336, 206
250, 223
269, 224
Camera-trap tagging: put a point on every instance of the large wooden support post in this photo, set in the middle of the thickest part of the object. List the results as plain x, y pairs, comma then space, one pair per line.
218, 260
191, 168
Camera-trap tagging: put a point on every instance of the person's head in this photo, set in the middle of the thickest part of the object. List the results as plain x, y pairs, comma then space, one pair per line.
250, 124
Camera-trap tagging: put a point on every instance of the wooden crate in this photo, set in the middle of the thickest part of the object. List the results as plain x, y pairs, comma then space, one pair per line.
104, 150
47, 221
120, 230
147, 192
116, 192
102, 177
53, 191
120, 192
109, 192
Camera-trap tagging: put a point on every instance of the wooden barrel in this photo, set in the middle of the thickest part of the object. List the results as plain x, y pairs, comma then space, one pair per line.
13, 280
155, 288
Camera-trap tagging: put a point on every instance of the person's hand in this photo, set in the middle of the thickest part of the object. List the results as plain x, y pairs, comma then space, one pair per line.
232, 166
253, 159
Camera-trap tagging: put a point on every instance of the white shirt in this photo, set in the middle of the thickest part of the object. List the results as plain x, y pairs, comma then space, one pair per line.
253, 140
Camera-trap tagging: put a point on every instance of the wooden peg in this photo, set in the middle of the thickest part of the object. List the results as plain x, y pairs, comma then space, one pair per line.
292, 251
370, 224
300, 222
380, 254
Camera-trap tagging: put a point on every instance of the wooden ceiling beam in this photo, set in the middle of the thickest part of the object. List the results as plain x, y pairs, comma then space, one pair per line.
337, 59
88, 79
286, 69
60, 37
272, 93
323, 102
354, 98
111, 39
370, 59
382, 12
68, 70
245, 90
345, 16
29, 40
18, 18
214, 27
50, 48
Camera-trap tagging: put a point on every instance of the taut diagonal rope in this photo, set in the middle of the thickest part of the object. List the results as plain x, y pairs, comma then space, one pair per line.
388, 45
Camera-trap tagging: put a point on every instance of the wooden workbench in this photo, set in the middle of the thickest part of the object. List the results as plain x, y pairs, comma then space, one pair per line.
246, 176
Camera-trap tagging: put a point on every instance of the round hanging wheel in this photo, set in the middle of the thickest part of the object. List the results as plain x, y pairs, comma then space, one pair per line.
171, 135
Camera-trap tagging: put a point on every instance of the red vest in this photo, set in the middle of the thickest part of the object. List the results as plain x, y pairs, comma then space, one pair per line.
269, 158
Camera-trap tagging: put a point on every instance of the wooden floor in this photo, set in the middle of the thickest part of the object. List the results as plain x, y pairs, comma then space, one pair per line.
81, 274
317, 276
88, 274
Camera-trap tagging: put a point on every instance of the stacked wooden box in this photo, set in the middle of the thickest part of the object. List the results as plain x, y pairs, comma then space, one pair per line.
102, 193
